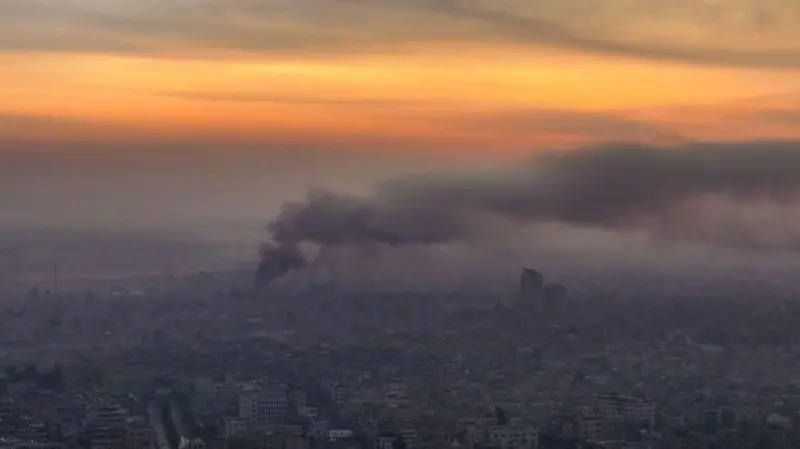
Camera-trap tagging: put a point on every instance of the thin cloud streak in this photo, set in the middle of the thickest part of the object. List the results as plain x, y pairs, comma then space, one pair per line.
451, 115
279, 99
596, 126
745, 33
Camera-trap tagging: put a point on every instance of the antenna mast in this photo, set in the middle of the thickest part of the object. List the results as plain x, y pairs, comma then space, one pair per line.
55, 279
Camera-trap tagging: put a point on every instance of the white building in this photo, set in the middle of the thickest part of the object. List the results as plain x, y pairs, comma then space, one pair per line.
612, 406
195, 443
339, 434
308, 412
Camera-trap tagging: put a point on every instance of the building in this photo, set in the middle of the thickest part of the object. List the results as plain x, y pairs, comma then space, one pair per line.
588, 427
273, 409
385, 440
139, 436
410, 436
631, 409
339, 393
555, 294
195, 443
232, 426
531, 292
339, 434
248, 406
265, 407
514, 437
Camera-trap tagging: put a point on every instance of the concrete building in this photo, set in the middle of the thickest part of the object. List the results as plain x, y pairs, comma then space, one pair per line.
231, 426
339, 434
555, 294
514, 437
248, 406
273, 409
531, 292
385, 441
612, 406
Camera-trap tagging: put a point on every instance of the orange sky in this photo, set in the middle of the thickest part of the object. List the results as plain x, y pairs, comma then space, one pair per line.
466, 79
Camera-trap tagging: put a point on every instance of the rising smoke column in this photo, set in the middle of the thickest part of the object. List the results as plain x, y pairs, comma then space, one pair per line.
664, 191
277, 261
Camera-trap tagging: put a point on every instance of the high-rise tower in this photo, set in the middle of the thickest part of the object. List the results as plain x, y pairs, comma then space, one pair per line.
531, 292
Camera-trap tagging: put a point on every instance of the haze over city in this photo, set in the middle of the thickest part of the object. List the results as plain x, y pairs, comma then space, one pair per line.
399, 224
205, 116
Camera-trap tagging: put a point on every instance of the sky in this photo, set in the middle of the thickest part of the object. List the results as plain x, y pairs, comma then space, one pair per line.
124, 109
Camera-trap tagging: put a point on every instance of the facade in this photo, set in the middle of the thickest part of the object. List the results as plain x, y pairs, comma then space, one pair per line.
589, 427
339, 434
385, 441
555, 294
232, 426
531, 288
260, 408
248, 406
627, 408
273, 409
514, 437
195, 443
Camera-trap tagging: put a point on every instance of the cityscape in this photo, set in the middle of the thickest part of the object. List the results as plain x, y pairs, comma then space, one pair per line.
203, 361
399, 224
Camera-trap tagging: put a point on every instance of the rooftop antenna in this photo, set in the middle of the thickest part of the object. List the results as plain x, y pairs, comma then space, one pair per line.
55, 279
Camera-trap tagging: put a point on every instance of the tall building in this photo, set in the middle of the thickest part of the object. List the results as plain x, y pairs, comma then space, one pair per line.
531, 288
555, 294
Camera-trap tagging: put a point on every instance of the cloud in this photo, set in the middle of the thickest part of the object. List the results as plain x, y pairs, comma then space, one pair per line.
779, 110
710, 47
788, 117
448, 115
760, 33
597, 126
307, 100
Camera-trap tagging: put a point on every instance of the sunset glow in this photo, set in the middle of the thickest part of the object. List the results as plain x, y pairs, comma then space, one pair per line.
417, 89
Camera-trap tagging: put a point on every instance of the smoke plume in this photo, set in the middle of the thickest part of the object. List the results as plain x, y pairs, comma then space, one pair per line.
277, 260
705, 192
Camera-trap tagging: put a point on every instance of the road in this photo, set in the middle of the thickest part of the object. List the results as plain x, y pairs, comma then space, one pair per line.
154, 415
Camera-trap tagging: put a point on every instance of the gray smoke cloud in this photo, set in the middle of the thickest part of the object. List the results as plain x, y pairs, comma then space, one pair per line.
738, 195
277, 260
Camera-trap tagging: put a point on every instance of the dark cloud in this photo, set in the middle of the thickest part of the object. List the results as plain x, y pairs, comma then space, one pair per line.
277, 260
621, 186
732, 195
742, 32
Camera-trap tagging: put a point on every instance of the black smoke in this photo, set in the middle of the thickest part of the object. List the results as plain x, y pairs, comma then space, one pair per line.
703, 192
277, 260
